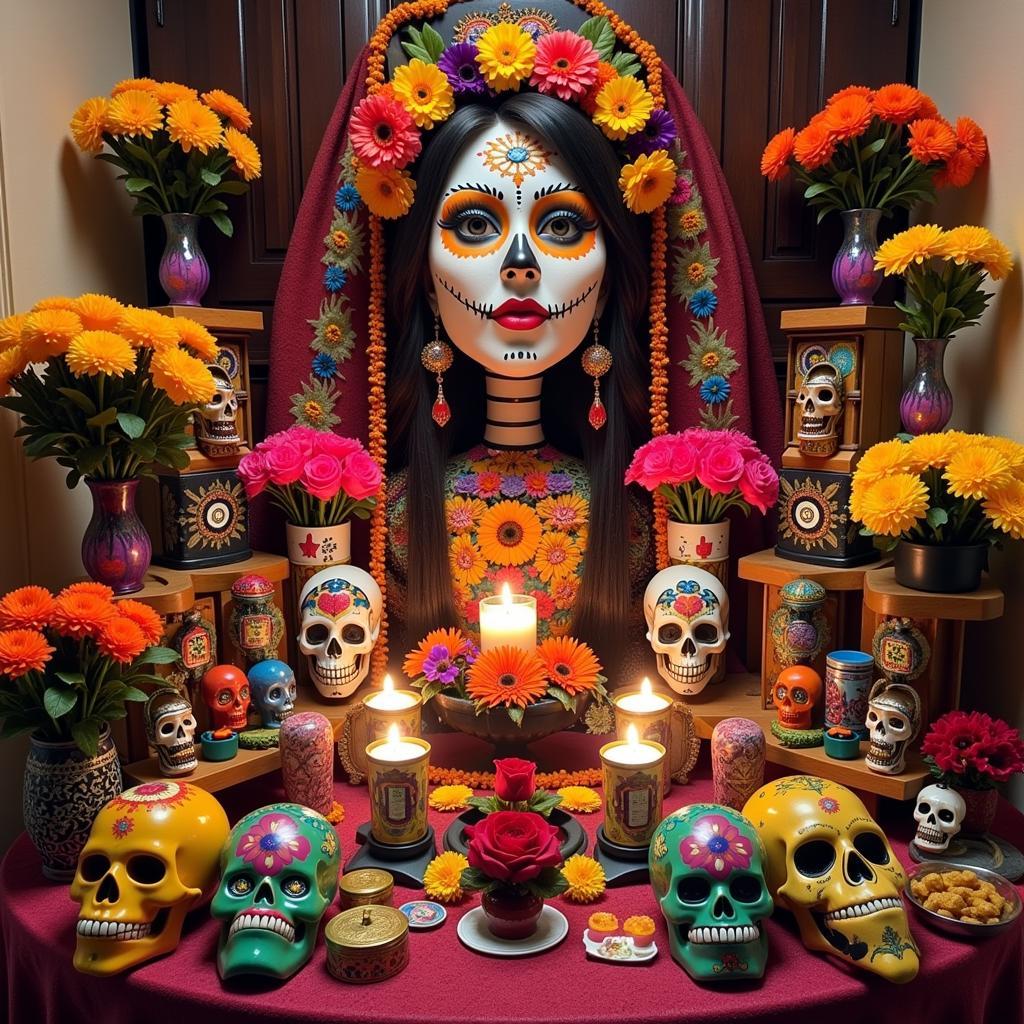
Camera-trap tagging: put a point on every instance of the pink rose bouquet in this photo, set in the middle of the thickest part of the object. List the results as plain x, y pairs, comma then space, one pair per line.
703, 473
316, 478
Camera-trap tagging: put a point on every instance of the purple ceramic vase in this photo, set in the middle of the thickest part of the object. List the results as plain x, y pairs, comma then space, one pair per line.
184, 272
853, 271
737, 761
307, 760
927, 402
116, 548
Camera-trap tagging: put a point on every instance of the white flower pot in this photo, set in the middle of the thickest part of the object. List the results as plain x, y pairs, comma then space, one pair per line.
312, 548
705, 545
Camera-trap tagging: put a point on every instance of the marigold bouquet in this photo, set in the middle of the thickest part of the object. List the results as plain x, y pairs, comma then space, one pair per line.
943, 271
117, 390
972, 750
703, 473
177, 151
876, 149
74, 659
948, 488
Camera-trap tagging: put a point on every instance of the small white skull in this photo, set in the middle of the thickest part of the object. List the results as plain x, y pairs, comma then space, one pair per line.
171, 729
217, 421
341, 612
893, 719
939, 813
687, 611
820, 403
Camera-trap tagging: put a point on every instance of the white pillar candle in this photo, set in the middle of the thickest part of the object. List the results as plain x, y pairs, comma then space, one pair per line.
395, 749
510, 620
387, 698
642, 702
633, 751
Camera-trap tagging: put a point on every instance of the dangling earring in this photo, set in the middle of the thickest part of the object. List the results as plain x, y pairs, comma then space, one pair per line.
437, 357
597, 361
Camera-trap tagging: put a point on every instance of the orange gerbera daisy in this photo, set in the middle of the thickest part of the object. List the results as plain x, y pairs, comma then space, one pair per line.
509, 533
930, 140
813, 147
122, 639
564, 591
89, 122
566, 512
777, 154
971, 139
898, 102
100, 590
463, 514
146, 328
570, 664
848, 117
26, 608
81, 614
468, 565
557, 556
170, 92
507, 676
21, 651
244, 152
454, 639
230, 107
145, 618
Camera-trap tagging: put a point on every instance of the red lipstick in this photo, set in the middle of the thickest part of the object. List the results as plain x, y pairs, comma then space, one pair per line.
520, 314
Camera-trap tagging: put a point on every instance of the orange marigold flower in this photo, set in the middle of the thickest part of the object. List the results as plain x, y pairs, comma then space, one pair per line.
144, 617
848, 117
605, 73
170, 92
98, 312
147, 84
570, 664
958, 170
89, 587
89, 122
134, 112
195, 337
26, 608
244, 153
121, 639
49, 332
193, 126
813, 147
21, 651
507, 676
454, 639
230, 107
898, 103
971, 138
930, 141
865, 92
928, 107
81, 614
777, 154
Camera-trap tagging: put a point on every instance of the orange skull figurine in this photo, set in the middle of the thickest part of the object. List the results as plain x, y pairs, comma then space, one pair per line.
796, 693
226, 694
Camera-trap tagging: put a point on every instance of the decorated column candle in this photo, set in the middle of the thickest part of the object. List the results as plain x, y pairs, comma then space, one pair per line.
387, 706
508, 619
737, 761
307, 761
633, 789
397, 774
651, 714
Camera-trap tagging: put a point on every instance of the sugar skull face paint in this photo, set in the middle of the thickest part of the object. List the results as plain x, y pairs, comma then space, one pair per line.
517, 257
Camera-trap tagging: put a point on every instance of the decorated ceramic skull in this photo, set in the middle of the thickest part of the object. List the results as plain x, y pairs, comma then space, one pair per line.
687, 611
273, 691
152, 856
341, 612
171, 730
216, 423
939, 814
707, 871
226, 694
893, 720
796, 693
819, 403
279, 873
831, 865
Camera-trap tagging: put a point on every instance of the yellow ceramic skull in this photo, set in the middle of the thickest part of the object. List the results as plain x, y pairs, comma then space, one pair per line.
152, 856
831, 865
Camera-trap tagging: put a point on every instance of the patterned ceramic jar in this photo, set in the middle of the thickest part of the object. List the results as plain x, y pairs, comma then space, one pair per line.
737, 761
307, 761
848, 677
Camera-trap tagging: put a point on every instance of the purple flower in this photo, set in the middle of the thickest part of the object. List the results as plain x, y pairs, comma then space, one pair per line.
513, 486
682, 192
459, 64
658, 133
559, 483
465, 483
471, 653
439, 666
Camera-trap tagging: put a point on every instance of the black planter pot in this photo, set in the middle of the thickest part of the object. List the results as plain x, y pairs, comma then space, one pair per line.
940, 568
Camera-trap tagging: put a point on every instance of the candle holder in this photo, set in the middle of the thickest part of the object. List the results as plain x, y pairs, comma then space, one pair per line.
508, 619
385, 708
664, 720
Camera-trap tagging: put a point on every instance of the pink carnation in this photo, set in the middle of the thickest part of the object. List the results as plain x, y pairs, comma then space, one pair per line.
565, 65
759, 484
360, 476
322, 477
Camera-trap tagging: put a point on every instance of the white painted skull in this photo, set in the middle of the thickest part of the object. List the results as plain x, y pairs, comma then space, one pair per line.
819, 403
171, 729
893, 720
341, 612
939, 813
217, 420
687, 611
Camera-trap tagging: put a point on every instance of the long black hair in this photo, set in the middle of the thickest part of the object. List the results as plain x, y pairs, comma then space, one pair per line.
603, 604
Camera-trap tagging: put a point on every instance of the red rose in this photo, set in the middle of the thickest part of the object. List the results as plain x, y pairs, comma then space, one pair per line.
513, 846
513, 779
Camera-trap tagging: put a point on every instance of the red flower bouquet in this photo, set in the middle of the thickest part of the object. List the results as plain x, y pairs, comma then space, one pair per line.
972, 750
514, 849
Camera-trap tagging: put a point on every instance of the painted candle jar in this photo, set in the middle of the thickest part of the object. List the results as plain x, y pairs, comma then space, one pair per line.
307, 761
397, 777
633, 794
651, 714
848, 676
737, 761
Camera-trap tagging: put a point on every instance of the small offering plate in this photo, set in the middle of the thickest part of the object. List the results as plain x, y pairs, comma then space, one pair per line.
618, 949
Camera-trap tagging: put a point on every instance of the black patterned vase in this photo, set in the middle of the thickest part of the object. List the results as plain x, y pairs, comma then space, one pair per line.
64, 791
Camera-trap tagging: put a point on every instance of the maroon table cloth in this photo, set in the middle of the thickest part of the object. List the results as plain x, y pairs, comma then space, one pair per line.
960, 981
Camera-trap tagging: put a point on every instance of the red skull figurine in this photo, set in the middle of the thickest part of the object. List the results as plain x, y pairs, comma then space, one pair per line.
226, 694
796, 692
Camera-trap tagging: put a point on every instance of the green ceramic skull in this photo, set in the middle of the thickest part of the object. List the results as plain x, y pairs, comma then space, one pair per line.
279, 873
707, 870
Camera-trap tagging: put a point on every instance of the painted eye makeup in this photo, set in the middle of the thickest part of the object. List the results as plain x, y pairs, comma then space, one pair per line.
471, 223
564, 225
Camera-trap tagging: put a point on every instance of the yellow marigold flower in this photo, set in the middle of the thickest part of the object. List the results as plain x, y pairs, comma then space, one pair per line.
94, 352
89, 122
580, 799
126, 84
965, 244
932, 451
893, 505
146, 328
1006, 509
623, 106
648, 181
585, 877
55, 302
450, 798
197, 338
10, 330
12, 362
505, 54
442, 880
170, 92
193, 125
914, 245
98, 312
997, 260
388, 193
48, 332
882, 459
135, 112
425, 92
243, 151
977, 472
230, 107
1012, 451
186, 380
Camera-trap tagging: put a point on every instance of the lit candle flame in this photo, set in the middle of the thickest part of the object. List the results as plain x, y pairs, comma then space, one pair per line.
387, 686
645, 687
506, 596
632, 736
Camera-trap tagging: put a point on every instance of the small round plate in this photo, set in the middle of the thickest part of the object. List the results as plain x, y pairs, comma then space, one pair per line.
423, 913
623, 951
552, 927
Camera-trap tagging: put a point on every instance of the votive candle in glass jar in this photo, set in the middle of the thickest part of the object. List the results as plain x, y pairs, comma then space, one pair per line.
633, 789
397, 769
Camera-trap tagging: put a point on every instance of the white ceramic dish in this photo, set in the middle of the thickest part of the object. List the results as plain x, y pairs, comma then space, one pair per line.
636, 954
552, 927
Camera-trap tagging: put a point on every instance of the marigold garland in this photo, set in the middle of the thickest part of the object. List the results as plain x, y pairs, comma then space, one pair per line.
545, 780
